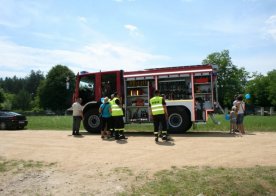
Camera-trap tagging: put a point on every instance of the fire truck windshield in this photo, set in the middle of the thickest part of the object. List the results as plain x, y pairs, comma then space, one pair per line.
87, 88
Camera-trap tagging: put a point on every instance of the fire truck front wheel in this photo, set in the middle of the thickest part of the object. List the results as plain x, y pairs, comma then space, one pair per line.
179, 120
92, 122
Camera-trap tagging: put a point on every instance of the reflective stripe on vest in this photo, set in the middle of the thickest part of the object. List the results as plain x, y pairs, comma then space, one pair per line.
116, 110
156, 105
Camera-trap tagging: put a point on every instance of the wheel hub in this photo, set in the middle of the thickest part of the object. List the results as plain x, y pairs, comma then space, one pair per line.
175, 120
93, 121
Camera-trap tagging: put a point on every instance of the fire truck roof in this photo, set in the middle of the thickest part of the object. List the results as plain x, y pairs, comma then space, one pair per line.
171, 70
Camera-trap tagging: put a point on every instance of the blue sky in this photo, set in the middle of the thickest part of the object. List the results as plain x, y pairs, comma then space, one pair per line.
134, 34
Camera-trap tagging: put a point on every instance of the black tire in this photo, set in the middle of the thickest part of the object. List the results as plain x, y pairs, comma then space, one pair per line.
92, 121
179, 120
3, 126
20, 127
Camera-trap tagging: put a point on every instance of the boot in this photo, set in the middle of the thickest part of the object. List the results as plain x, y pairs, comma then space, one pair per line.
122, 135
164, 137
117, 137
156, 138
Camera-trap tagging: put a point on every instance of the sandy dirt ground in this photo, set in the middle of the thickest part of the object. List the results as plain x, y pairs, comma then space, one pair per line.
88, 165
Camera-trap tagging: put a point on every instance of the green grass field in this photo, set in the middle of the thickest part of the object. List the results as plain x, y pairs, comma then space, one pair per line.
209, 181
251, 123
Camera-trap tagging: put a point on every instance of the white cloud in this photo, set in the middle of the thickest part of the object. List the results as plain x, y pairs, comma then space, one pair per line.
262, 63
18, 14
17, 59
131, 27
271, 27
82, 19
133, 30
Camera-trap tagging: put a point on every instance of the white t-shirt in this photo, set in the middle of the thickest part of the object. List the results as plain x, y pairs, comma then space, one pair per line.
77, 109
241, 106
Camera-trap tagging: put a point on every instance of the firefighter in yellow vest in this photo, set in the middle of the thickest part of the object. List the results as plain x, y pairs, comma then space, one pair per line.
160, 115
117, 118
111, 102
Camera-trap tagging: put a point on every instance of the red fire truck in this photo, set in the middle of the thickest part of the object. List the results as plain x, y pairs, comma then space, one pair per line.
189, 91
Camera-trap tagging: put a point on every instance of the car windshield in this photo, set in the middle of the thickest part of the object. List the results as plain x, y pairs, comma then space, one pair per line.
8, 113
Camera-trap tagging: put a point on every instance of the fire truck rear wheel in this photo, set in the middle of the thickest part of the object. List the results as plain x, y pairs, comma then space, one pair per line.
92, 122
179, 120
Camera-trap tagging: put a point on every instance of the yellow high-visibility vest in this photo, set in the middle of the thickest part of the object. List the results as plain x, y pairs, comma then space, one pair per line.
156, 105
116, 110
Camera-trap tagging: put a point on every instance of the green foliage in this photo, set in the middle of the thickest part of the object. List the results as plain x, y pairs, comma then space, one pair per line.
263, 89
53, 93
7, 104
14, 86
231, 79
258, 88
272, 86
33, 81
209, 181
22, 100
2, 96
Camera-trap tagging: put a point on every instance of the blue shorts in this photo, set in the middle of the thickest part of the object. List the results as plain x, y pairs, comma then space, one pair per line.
240, 119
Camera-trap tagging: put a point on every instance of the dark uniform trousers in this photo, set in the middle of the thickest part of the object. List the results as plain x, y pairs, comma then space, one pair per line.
157, 120
76, 125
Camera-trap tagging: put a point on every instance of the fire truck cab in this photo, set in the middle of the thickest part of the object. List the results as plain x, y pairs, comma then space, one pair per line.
189, 92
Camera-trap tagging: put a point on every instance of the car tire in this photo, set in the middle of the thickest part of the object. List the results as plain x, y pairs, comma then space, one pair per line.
3, 126
20, 127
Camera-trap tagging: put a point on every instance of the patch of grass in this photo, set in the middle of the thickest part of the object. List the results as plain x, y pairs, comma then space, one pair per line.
123, 170
251, 123
209, 181
50, 123
19, 165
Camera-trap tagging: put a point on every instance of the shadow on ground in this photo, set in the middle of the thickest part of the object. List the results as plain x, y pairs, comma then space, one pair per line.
188, 134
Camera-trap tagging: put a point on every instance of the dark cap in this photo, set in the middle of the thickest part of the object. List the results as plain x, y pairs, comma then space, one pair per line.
156, 92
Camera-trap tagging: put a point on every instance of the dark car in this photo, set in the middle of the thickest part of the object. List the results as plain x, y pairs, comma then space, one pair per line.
12, 120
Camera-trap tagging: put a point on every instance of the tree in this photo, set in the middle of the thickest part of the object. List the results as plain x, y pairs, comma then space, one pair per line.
263, 89
231, 79
7, 104
2, 97
13, 85
33, 81
257, 87
272, 87
53, 93
22, 100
